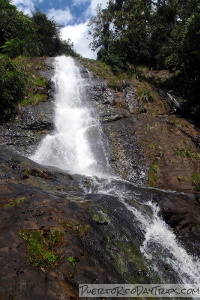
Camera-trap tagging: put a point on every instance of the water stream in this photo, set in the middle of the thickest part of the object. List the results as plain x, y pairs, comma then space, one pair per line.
77, 143
77, 146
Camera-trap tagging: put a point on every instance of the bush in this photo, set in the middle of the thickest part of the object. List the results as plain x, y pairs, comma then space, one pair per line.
196, 181
12, 87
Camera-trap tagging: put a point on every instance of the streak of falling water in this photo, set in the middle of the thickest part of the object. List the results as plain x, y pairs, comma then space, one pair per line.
159, 245
77, 143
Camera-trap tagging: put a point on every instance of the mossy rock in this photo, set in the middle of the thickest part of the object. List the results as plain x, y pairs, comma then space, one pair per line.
15, 202
41, 245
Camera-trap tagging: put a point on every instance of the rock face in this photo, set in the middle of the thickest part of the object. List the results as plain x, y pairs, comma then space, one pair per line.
182, 215
126, 157
49, 199
99, 238
82, 235
32, 122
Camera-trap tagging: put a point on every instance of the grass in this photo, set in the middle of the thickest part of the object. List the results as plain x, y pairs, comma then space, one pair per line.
15, 202
33, 99
39, 173
55, 236
149, 126
80, 227
180, 178
36, 90
72, 260
154, 145
40, 246
101, 218
188, 154
145, 94
196, 181
153, 174
104, 71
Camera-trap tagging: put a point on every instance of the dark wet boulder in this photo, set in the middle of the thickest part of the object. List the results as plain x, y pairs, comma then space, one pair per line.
182, 213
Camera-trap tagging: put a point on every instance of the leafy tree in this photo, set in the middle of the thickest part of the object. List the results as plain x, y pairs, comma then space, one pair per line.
17, 31
46, 32
121, 33
138, 31
157, 33
13, 47
12, 87
30, 36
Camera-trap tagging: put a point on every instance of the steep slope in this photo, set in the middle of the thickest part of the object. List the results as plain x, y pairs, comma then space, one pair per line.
59, 229
146, 126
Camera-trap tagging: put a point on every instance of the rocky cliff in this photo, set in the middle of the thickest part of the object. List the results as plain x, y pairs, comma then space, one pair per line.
57, 231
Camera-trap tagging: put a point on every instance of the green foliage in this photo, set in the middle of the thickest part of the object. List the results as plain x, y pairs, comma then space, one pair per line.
55, 236
46, 32
188, 153
12, 87
80, 227
101, 218
13, 47
145, 95
5, 4
39, 246
36, 85
17, 32
153, 174
121, 35
15, 202
103, 70
22, 35
31, 36
72, 260
180, 178
158, 34
196, 181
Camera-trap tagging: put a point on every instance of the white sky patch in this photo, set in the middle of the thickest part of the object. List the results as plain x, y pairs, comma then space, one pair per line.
62, 17
91, 11
81, 39
79, 33
26, 6
78, 2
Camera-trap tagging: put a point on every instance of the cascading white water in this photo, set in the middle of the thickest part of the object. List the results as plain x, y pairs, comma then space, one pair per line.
160, 244
160, 240
76, 145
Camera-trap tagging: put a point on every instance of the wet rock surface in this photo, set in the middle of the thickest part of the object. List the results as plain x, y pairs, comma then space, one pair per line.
99, 232
126, 156
32, 122
50, 199
182, 214
164, 136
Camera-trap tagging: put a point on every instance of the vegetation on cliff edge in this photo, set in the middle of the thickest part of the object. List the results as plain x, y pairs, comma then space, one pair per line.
23, 37
158, 34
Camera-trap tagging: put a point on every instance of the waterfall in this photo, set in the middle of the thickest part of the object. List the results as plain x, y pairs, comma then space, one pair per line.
160, 246
176, 103
77, 145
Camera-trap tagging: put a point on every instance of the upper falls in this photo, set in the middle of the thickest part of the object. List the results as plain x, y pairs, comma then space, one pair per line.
77, 144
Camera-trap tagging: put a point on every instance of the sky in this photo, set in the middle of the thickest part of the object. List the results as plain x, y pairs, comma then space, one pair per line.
73, 15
